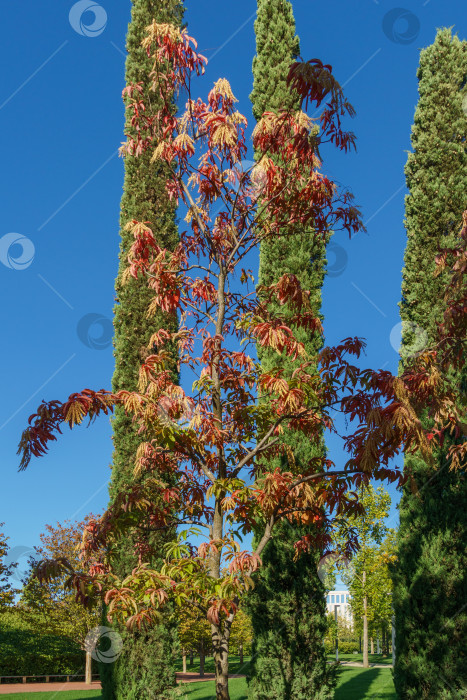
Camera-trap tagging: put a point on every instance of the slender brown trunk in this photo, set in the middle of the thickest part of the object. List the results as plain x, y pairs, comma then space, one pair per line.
201, 658
88, 669
221, 661
220, 642
372, 646
240, 649
365, 624
184, 661
191, 657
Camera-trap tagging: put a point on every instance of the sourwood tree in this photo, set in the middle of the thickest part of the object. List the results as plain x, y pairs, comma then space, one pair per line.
210, 444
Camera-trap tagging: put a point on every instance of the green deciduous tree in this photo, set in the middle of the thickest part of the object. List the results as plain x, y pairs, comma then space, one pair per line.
49, 607
363, 577
431, 574
194, 633
144, 199
7, 592
242, 634
25, 650
375, 561
284, 646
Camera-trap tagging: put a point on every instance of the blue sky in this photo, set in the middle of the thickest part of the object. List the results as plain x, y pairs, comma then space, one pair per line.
62, 120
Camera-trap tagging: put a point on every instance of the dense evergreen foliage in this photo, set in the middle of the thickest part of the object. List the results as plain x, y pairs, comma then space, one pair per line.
287, 607
276, 47
288, 611
431, 575
145, 667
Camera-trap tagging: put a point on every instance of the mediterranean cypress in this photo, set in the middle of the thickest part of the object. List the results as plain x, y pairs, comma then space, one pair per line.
430, 577
287, 606
146, 665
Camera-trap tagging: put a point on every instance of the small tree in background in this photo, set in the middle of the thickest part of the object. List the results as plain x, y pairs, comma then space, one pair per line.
363, 576
49, 606
194, 633
242, 634
7, 592
374, 561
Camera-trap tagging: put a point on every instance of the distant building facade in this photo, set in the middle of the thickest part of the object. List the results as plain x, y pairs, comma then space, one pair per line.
342, 600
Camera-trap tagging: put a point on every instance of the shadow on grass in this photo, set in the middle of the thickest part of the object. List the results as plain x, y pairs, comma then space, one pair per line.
206, 691
355, 684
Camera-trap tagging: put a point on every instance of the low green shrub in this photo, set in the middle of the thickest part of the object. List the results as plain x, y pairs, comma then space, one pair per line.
344, 647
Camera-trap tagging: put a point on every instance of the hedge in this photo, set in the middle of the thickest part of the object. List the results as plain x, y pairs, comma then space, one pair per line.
24, 652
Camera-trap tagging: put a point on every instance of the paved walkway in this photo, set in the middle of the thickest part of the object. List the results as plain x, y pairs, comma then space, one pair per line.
6, 688
358, 664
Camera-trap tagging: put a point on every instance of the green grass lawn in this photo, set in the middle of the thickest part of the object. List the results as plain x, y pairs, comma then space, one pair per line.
353, 684
234, 665
361, 684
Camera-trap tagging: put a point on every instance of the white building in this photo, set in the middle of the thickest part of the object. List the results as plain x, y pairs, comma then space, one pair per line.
342, 600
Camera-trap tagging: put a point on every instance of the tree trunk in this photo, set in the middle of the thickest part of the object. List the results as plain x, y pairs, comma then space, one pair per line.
221, 660
201, 659
372, 646
191, 658
240, 650
365, 624
184, 661
88, 669
378, 645
359, 643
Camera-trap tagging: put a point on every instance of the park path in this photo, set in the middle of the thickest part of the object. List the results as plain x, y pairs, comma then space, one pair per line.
358, 664
6, 688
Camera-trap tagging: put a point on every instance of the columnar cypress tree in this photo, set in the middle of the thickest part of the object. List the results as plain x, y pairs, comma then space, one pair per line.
145, 667
287, 606
431, 576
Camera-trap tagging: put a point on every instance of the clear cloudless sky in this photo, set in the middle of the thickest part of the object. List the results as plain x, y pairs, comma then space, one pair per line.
61, 118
